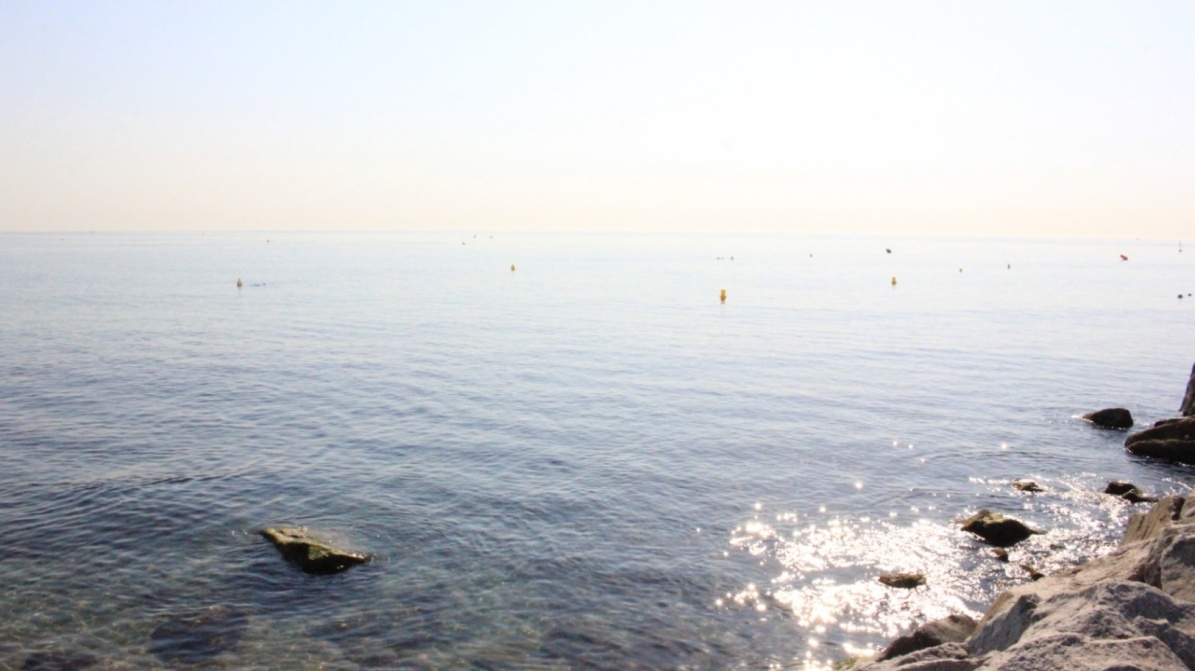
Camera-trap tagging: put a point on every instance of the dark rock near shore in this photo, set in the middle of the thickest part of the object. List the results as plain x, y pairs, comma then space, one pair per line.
1173, 440
1111, 418
903, 580
952, 629
198, 637
1128, 491
996, 529
1188, 407
310, 554
1027, 486
1001, 554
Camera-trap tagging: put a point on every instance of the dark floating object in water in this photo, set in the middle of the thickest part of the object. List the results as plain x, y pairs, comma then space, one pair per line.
1111, 418
240, 283
723, 296
887, 250
903, 580
996, 529
312, 555
1127, 491
197, 638
1123, 257
1027, 486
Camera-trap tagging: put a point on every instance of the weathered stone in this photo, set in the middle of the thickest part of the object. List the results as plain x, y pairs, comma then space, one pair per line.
1027, 486
198, 637
1188, 407
1171, 563
310, 554
952, 629
1147, 525
1001, 554
1111, 418
996, 529
1127, 491
903, 580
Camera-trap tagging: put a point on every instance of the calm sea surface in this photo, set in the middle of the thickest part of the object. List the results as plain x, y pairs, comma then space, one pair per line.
587, 463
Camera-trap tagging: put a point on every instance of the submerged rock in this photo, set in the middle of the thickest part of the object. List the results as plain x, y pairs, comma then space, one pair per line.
310, 554
1027, 486
59, 661
1111, 418
952, 629
996, 529
197, 638
1173, 440
903, 580
1128, 491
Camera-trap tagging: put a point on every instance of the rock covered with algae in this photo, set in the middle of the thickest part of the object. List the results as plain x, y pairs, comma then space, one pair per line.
311, 554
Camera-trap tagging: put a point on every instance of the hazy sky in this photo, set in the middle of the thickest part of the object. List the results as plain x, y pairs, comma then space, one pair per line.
1065, 118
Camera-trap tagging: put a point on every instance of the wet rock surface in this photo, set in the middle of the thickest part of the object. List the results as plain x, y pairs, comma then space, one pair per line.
1128, 491
1172, 440
996, 529
311, 554
902, 580
198, 637
1111, 418
1027, 486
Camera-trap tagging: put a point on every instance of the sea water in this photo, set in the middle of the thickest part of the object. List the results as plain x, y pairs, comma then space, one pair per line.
563, 450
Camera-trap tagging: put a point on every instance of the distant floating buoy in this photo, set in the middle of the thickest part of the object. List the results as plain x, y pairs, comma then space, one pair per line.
732, 258
240, 283
723, 296
887, 250
960, 270
1123, 257
512, 267
1180, 297
1010, 266
893, 281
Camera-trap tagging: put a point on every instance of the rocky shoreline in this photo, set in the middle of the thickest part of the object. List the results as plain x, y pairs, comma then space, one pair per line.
1130, 610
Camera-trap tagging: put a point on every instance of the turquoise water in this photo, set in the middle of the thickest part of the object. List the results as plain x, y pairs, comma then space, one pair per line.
589, 462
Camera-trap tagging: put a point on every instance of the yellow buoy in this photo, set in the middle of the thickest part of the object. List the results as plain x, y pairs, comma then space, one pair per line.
893, 280
723, 295
512, 267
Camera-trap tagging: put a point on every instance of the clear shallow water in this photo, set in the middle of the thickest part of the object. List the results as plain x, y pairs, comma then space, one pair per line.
588, 463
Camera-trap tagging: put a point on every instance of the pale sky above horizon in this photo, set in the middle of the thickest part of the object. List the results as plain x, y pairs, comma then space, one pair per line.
1020, 118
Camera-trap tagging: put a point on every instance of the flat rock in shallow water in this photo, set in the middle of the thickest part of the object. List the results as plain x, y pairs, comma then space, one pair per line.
197, 638
310, 554
996, 529
1127, 491
1111, 418
1027, 486
903, 580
